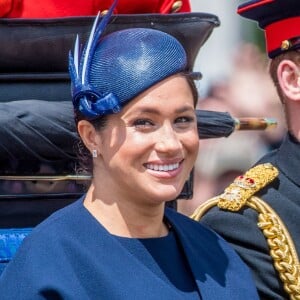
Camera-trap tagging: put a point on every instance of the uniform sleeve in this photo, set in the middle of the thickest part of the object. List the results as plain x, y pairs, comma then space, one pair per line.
241, 231
5, 7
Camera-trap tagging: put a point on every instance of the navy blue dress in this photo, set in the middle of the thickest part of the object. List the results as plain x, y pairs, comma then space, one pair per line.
72, 256
165, 258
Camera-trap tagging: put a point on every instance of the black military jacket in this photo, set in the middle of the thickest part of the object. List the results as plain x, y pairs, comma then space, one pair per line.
241, 230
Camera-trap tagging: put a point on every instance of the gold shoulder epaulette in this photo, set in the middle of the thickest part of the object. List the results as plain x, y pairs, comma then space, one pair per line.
245, 186
240, 190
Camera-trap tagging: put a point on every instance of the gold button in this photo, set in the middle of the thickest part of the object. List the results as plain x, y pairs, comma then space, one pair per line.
285, 45
104, 12
176, 6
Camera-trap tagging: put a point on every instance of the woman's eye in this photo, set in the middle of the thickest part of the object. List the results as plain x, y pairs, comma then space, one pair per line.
142, 123
184, 120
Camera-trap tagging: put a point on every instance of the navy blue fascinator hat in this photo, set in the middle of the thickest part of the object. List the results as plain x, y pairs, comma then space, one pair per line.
114, 68
129, 61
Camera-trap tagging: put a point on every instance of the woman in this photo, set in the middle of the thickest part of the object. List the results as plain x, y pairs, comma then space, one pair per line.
134, 103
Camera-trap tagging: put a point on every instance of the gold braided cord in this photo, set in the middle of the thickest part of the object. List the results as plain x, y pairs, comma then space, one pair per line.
203, 208
281, 245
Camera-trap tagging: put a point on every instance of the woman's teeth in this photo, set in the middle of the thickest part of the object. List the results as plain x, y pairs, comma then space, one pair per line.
164, 168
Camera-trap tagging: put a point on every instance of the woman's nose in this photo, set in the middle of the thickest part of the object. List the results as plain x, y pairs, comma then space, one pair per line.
168, 140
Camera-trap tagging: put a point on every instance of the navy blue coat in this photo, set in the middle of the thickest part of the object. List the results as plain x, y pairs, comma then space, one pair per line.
72, 256
240, 228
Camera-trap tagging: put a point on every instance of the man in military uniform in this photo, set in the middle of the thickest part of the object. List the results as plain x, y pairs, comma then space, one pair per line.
259, 213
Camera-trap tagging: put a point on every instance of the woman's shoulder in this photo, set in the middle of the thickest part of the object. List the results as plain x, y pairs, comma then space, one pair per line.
57, 222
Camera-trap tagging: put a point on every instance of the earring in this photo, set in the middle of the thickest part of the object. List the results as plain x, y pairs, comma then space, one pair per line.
94, 153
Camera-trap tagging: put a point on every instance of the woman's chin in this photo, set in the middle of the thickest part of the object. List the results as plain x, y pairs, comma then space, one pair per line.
166, 194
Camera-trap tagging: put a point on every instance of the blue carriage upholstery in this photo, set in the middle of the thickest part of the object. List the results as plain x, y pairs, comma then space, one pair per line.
10, 240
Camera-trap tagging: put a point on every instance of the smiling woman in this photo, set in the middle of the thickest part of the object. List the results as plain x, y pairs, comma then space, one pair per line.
119, 241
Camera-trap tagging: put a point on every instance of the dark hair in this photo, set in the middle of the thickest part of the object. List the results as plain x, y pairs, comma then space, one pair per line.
85, 160
191, 83
84, 156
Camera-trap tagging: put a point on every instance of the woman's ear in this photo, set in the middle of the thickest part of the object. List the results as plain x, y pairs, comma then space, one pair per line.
288, 74
89, 136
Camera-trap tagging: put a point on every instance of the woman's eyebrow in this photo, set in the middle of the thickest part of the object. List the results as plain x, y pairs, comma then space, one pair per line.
185, 108
152, 110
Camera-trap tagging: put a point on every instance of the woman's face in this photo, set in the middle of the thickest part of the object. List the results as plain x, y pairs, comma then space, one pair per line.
148, 149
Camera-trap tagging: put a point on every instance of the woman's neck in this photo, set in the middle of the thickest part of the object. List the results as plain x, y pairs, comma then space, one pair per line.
126, 218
